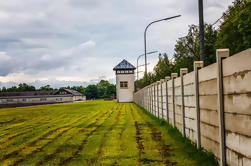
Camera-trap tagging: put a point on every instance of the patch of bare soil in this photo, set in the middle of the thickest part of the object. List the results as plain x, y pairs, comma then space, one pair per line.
164, 150
139, 142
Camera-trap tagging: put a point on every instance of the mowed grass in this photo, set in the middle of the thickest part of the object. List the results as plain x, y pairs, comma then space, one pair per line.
89, 133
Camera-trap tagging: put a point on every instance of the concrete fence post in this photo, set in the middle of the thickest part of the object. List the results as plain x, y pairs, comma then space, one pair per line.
145, 97
142, 97
167, 78
158, 82
220, 55
183, 71
148, 96
147, 108
197, 66
143, 104
151, 98
161, 101
173, 75
154, 91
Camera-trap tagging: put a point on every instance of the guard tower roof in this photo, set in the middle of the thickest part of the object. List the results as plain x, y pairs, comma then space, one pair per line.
124, 65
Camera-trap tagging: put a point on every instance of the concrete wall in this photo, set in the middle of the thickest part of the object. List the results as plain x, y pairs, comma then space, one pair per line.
75, 98
236, 75
35, 100
125, 94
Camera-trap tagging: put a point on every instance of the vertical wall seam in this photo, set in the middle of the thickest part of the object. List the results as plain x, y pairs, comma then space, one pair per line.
167, 110
220, 55
197, 65
174, 75
158, 97
183, 71
161, 92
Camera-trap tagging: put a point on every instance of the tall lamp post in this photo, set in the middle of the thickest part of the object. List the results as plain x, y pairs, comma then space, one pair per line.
201, 25
165, 19
138, 62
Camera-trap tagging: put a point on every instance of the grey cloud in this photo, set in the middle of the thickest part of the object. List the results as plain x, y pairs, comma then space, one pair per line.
87, 3
45, 27
53, 83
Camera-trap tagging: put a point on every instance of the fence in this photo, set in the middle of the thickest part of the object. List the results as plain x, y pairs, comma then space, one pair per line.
211, 106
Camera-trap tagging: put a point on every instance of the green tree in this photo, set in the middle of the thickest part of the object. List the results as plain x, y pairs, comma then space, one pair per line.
12, 89
91, 92
4, 89
45, 88
102, 88
187, 49
235, 31
25, 87
111, 91
163, 68
105, 89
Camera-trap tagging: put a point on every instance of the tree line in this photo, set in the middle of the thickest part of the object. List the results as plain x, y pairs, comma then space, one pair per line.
102, 90
234, 33
99, 91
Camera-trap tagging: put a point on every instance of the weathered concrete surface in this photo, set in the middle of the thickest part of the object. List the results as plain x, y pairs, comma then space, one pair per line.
237, 107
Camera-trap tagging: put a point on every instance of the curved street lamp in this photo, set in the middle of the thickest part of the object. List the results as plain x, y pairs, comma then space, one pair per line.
138, 61
164, 19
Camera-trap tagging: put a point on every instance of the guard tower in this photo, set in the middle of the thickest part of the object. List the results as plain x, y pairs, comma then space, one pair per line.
124, 81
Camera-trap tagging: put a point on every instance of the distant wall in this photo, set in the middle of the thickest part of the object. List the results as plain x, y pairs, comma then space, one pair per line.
76, 98
35, 99
236, 104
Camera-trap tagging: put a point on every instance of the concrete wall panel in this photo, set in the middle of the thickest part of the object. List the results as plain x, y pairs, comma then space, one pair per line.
237, 106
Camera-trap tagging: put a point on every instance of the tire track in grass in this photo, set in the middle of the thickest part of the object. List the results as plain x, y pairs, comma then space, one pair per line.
16, 152
138, 137
40, 148
80, 148
27, 131
50, 156
49, 142
123, 129
103, 140
22, 126
163, 149
121, 134
139, 141
18, 126
7, 141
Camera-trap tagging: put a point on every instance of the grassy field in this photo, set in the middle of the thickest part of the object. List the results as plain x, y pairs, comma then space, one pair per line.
91, 133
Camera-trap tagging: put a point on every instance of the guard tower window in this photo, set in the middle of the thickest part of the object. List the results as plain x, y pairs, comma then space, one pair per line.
123, 84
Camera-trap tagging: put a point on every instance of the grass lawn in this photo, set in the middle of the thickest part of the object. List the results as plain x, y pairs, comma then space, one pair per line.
92, 133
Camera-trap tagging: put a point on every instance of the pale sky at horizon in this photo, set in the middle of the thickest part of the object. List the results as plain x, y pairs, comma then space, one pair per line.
78, 42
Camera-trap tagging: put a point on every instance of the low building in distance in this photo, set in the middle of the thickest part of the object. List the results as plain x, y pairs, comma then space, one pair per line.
124, 81
40, 97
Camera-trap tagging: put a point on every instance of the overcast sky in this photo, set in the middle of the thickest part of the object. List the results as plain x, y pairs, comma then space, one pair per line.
73, 42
